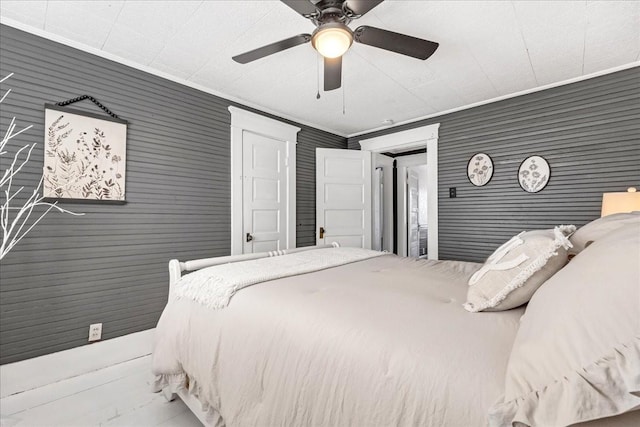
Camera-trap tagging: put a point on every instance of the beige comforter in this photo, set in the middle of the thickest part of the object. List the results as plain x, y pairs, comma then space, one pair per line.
380, 342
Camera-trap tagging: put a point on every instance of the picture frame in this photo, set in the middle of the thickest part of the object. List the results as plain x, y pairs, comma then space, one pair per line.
84, 156
534, 174
480, 169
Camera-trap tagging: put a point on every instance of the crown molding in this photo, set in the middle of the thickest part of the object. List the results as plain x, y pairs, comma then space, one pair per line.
503, 97
115, 58
94, 51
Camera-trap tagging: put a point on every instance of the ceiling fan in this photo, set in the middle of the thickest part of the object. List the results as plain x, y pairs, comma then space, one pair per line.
332, 36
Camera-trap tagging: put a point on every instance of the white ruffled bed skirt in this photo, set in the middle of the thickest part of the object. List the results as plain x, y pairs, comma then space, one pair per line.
177, 383
580, 394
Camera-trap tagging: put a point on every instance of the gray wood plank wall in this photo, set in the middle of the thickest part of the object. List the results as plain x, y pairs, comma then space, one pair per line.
589, 131
110, 265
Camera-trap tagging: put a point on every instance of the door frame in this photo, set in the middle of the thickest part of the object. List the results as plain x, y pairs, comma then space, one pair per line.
414, 139
245, 121
386, 162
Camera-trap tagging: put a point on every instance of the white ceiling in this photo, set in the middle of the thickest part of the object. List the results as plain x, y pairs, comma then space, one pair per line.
488, 49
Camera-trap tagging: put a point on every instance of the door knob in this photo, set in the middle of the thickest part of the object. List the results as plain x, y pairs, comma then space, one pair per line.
322, 232
249, 237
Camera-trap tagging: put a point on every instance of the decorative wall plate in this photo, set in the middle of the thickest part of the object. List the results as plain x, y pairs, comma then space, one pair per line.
480, 169
534, 174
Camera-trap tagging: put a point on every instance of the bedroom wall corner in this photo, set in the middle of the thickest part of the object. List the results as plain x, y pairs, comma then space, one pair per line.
589, 132
110, 265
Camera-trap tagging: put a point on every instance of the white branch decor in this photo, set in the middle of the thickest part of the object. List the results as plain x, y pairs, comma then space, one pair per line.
15, 221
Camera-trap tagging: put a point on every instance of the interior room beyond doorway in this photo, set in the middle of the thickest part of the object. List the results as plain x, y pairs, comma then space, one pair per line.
411, 204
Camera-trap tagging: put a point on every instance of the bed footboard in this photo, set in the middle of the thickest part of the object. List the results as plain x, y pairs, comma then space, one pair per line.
176, 267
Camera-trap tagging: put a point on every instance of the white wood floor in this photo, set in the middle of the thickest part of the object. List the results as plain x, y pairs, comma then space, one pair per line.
119, 395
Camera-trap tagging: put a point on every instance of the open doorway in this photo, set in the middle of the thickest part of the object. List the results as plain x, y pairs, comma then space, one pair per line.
412, 205
417, 220
420, 138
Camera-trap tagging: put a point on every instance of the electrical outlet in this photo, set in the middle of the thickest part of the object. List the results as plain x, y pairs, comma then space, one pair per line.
95, 332
452, 192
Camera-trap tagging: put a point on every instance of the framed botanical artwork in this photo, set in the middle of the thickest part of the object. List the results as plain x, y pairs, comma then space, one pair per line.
480, 169
534, 174
84, 155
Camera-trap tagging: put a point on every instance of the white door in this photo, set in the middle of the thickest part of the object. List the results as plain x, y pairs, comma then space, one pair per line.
264, 193
413, 213
343, 197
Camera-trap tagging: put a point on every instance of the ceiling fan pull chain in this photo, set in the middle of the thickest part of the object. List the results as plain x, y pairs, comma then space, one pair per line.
343, 109
318, 75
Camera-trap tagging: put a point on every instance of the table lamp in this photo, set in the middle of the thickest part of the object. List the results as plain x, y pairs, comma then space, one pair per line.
620, 202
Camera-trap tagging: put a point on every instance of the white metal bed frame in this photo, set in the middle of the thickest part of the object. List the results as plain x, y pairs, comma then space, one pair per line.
176, 268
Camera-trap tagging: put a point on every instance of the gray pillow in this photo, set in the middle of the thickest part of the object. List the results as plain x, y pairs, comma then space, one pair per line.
516, 269
599, 228
576, 356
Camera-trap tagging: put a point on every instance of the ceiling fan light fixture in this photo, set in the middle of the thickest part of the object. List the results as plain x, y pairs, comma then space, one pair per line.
332, 40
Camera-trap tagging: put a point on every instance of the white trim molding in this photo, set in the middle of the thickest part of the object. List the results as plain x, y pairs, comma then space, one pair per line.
386, 163
245, 121
40, 371
500, 98
147, 69
406, 140
155, 72
413, 139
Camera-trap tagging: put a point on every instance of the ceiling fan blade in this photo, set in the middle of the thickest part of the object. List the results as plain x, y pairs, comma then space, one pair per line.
395, 42
272, 48
332, 73
360, 7
303, 7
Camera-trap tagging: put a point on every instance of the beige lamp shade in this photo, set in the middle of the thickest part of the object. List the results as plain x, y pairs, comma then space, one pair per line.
620, 202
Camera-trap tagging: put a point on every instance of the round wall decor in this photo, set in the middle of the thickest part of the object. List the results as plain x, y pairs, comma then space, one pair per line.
534, 174
480, 169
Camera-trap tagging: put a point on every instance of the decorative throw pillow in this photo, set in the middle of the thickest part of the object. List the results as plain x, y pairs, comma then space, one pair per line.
576, 356
599, 228
516, 269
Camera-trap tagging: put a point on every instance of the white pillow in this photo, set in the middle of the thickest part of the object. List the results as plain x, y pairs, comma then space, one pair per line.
599, 228
576, 356
516, 269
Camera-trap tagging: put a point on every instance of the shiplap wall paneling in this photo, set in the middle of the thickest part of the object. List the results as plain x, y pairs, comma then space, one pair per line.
110, 265
588, 131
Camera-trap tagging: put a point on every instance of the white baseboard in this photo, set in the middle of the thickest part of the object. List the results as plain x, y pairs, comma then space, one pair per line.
32, 373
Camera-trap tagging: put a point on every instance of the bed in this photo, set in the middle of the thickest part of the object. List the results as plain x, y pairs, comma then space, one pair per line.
380, 341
